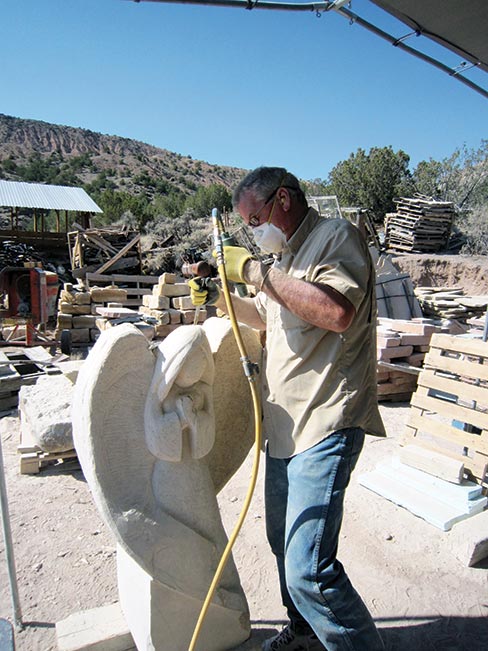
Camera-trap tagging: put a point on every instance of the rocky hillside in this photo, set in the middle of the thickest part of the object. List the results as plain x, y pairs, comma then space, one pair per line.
32, 150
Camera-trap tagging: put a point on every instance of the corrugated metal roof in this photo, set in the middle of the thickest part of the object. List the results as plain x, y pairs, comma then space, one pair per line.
17, 194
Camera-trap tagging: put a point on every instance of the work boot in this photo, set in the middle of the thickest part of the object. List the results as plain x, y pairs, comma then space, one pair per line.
289, 640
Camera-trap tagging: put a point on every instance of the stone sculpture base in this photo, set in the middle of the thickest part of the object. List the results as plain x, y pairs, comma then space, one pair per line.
163, 619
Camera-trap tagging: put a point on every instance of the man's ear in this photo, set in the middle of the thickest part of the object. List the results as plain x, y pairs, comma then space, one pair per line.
284, 199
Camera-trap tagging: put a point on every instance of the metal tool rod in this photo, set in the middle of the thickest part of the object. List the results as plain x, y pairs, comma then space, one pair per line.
9, 551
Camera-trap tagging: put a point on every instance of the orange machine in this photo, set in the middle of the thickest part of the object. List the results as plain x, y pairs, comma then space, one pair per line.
27, 297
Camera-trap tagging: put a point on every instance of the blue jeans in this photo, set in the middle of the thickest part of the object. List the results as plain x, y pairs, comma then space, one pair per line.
304, 507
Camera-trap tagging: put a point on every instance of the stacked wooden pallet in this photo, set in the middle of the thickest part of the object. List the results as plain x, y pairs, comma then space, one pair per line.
449, 410
401, 349
450, 303
441, 471
420, 225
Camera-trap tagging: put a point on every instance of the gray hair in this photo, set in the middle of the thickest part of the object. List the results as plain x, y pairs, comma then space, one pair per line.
262, 181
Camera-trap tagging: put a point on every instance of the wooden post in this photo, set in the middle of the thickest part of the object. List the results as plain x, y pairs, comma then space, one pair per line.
57, 222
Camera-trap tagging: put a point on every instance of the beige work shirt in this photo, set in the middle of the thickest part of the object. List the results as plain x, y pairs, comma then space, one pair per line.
317, 381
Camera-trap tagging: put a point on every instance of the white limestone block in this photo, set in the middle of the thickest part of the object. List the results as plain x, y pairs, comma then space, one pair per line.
70, 368
468, 540
173, 615
45, 413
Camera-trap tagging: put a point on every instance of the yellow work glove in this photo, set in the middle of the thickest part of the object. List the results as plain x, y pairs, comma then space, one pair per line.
235, 258
203, 291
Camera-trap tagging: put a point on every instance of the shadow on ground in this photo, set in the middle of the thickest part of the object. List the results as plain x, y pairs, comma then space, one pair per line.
417, 634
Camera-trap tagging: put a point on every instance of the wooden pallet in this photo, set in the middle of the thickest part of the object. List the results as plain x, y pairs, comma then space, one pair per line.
449, 410
33, 459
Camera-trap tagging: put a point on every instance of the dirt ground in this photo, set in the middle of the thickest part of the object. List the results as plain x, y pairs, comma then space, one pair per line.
419, 593
468, 272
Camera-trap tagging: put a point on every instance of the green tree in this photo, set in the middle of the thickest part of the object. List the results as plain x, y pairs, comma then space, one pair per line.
372, 180
461, 178
207, 197
167, 206
316, 188
115, 204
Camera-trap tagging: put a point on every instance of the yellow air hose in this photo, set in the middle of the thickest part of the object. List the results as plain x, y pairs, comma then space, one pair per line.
249, 370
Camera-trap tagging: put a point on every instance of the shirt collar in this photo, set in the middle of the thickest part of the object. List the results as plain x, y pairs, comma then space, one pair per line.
303, 231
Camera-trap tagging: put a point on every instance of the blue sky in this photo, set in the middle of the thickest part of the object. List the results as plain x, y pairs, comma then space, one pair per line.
233, 87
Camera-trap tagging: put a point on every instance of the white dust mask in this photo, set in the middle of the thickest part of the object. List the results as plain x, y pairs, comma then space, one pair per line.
269, 238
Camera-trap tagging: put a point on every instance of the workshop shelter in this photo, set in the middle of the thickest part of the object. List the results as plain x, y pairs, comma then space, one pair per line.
69, 204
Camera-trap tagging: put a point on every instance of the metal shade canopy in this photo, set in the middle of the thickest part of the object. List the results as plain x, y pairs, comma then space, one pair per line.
461, 27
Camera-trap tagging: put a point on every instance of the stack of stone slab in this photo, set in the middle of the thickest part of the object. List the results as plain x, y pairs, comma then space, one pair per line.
401, 348
450, 303
77, 310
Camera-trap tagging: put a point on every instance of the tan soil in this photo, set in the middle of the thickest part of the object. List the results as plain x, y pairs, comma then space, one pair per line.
468, 272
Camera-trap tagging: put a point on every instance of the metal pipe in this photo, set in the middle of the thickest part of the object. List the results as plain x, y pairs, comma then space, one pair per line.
252, 4
9, 551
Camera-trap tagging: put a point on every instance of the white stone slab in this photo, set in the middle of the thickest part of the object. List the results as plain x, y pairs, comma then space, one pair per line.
444, 490
98, 629
420, 503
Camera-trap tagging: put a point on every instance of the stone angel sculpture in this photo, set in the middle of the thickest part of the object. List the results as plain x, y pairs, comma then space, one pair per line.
158, 433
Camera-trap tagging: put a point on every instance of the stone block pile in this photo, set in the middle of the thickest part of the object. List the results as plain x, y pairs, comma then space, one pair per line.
170, 305
86, 312
77, 310
450, 303
401, 349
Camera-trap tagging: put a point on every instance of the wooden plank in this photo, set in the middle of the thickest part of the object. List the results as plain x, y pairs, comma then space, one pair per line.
32, 462
119, 255
121, 278
467, 346
451, 410
463, 390
475, 466
462, 367
400, 366
100, 242
446, 432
